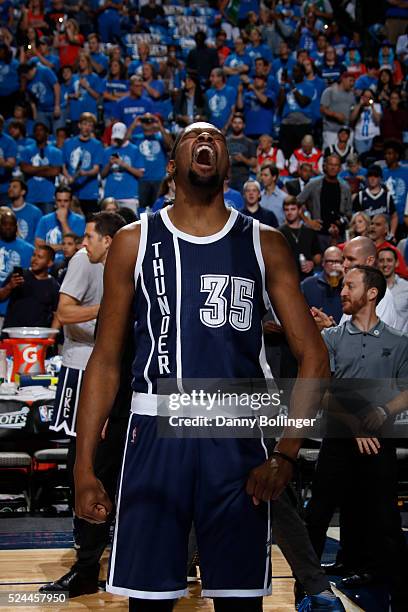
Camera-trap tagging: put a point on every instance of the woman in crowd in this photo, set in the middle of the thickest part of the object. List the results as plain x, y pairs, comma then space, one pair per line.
385, 86
69, 43
116, 86
366, 117
359, 225
394, 120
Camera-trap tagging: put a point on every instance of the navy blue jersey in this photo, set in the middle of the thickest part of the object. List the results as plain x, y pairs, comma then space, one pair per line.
199, 303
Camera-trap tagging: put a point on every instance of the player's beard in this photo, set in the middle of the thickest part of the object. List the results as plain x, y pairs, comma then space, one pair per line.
211, 184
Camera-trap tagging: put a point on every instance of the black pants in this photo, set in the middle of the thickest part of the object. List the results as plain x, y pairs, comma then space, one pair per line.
365, 489
93, 539
148, 191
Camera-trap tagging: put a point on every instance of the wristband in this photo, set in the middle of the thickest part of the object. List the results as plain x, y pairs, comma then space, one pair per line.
290, 460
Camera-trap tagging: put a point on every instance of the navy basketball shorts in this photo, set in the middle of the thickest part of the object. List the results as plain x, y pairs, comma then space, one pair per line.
165, 486
67, 400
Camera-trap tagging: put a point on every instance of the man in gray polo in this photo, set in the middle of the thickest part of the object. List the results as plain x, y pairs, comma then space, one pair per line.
358, 471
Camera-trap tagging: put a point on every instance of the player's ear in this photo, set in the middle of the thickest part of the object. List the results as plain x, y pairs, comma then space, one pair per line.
171, 168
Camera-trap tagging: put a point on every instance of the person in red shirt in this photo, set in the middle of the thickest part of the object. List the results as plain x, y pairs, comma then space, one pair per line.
267, 152
306, 153
69, 43
222, 50
378, 232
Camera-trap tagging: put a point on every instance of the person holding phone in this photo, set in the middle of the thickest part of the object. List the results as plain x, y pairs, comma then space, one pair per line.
33, 293
13, 252
366, 118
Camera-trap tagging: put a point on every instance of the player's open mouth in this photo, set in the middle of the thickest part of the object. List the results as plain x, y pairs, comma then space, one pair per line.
204, 156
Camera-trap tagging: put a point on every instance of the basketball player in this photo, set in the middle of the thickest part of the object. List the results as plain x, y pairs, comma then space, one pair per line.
197, 276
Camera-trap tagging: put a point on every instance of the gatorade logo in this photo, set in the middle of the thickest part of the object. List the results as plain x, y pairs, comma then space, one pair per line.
30, 354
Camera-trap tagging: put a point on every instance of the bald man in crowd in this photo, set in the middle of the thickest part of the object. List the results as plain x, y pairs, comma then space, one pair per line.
362, 251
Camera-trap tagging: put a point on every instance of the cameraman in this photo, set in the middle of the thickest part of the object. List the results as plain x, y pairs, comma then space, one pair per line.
153, 143
122, 167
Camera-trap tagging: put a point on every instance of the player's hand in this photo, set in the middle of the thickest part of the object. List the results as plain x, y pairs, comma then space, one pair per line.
368, 446
268, 480
16, 280
91, 500
375, 419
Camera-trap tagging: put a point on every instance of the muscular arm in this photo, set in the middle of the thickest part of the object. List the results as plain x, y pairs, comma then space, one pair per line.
102, 374
301, 332
70, 310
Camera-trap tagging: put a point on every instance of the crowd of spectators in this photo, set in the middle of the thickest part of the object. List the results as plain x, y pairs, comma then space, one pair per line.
313, 106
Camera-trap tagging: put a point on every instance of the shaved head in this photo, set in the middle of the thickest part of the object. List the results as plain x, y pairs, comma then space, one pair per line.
359, 251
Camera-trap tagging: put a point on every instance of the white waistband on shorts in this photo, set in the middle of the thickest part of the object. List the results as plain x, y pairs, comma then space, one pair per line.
144, 403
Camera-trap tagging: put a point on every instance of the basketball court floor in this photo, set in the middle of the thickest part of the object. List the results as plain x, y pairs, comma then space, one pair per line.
28, 560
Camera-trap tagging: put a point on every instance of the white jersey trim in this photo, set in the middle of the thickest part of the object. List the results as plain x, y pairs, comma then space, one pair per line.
142, 245
149, 325
237, 592
179, 364
198, 239
256, 235
146, 594
144, 403
115, 536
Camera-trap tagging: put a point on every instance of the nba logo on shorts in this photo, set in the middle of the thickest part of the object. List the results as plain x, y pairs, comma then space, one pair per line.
134, 434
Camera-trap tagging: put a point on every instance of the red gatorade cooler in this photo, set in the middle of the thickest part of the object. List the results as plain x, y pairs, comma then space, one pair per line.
29, 346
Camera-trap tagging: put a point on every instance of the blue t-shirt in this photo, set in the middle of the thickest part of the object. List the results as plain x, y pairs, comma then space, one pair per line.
53, 59
135, 66
220, 103
331, 74
291, 104
248, 5
261, 50
278, 66
50, 229
8, 148
234, 60
28, 217
83, 155
234, 199
23, 143
397, 184
151, 148
85, 103
119, 183
9, 81
15, 253
366, 81
318, 86
128, 108
113, 86
41, 189
258, 118
42, 88
101, 59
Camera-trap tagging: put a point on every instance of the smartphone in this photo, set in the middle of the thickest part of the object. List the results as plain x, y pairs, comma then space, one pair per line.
18, 270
